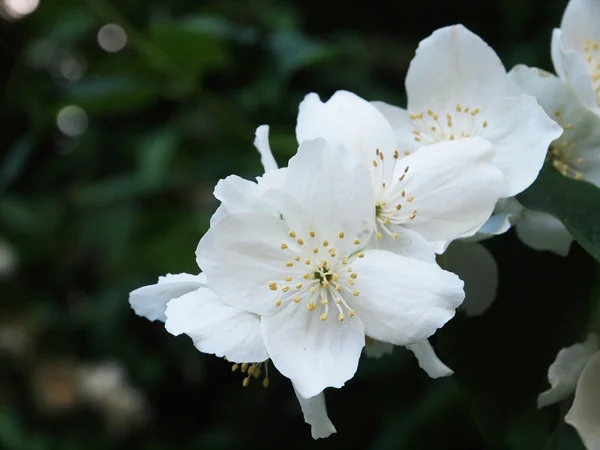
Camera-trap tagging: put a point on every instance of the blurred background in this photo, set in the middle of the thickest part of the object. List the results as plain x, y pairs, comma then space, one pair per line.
118, 118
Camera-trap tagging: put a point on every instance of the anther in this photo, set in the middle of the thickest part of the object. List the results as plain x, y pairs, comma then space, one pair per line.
289, 264
351, 312
396, 154
361, 255
410, 199
288, 279
296, 300
344, 261
338, 288
356, 242
278, 303
356, 293
246, 382
315, 250
335, 277
325, 243
311, 306
394, 235
300, 241
273, 286
292, 233
485, 124
284, 246
311, 234
244, 367
298, 285
324, 301
235, 367
341, 317
297, 258
377, 235
266, 382
307, 276
307, 262
285, 288
251, 369
341, 235
323, 317
353, 275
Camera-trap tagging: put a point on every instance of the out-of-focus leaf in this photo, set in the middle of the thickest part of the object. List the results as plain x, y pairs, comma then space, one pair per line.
109, 95
15, 158
575, 203
187, 47
155, 154
29, 216
111, 190
501, 358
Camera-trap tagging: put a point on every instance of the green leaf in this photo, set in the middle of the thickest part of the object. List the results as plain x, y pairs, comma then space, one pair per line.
575, 203
107, 95
187, 47
501, 358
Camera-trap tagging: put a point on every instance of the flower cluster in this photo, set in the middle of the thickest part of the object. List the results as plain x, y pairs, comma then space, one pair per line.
338, 251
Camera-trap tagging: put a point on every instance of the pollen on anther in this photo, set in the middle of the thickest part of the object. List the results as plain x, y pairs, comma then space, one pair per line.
410, 199
394, 235
315, 250
300, 241
361, 255
341, 235
335, 277
311, 234
299, 285
398, 206
297, 258
311, 306
377, 235
396, 154
325, 243
353, 275
338, 300
313, 289
338, 288
285, 288
307, 276
278, 303
246, 382
412, 215
266, 382
485, 124
292, 233
244, 367
307, 262
296, 299
235, 367
289, 264
332, 252
323, 317
351, 312
341, 317
273, 286
288, 279
344, 261
356, 242
284, 246
325, 283
356, 293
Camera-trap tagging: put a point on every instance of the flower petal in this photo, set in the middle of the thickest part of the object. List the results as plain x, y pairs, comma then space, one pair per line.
241, 254
584, 415
348, 120
541, 231
565, 371
313, 353
580, 23
476, 266
315, 414
332, 190
407, 243
452, 66
151, 301
401, 125
428, 360
453, 186
402, 300
261, 142
521, 132
216, 327
579, 145
572, 67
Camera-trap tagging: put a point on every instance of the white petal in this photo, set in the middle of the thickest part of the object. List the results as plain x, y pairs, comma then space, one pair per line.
541, 231
454, 187
565, 371
580, 23
241, 254
521, 132
216, 327
261, 142
579, 145
428, 360
584, 415
476, 266
401, 125
315, 414
572, 67
151, 301
313, 353
407, 243
495, 225
333, 192
403, 300
452, 66
348, 120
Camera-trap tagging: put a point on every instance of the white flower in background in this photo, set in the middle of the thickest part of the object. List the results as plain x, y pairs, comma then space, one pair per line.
189, 307
457, 88
304, 269
576, 51
575, 154
577, 370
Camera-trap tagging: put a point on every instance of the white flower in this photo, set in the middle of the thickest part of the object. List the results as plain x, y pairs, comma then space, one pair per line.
577, 370
441, 192
457, 88
189, 307
304, 269
576, 51
575, 154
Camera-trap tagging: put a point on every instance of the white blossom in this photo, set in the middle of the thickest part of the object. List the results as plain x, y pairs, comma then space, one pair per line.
576, 51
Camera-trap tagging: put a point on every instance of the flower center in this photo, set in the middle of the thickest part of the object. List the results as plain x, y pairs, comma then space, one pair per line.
318, 275
393, 207
562, 154
591, 50
253, 370
430, 127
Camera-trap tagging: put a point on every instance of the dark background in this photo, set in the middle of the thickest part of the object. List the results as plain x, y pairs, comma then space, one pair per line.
90, 217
